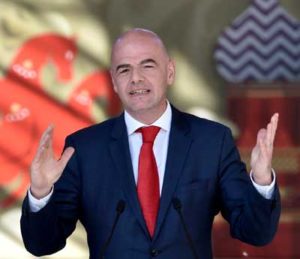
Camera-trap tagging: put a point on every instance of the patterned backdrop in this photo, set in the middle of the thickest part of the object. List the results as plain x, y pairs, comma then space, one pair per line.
237, 63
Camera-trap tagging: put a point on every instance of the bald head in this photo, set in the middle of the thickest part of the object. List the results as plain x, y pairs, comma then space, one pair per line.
139, 36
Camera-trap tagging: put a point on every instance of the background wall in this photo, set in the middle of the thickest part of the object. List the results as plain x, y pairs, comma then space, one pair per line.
53, 69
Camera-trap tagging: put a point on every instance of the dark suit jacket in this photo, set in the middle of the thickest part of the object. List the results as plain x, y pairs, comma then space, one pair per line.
203, 171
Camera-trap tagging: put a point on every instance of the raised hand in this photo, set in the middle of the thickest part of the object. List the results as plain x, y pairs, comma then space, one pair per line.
261, 156
45, 168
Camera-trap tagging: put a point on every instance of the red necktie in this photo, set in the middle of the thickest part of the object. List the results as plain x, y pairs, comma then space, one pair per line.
148, 182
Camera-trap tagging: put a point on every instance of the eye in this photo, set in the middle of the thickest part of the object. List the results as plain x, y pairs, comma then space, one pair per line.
123, 71
148, 66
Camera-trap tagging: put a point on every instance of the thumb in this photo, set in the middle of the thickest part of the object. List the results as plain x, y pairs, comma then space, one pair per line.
65, 157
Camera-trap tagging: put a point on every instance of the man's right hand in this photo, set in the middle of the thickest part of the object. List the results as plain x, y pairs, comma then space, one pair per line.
45, 168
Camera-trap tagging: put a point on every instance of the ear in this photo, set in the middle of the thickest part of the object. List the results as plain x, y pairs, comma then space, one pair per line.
171, 72
113, 81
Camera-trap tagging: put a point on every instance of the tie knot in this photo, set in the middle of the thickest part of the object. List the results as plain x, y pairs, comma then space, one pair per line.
149, 133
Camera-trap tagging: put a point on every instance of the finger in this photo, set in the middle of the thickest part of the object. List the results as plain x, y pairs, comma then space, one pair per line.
67, 154
261, 135
46, 135
49, 144
268, 139
263, 148
38, 155
42, 153
274, 122
45, 142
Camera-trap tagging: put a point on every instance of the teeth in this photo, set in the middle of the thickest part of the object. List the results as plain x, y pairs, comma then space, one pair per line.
141, 91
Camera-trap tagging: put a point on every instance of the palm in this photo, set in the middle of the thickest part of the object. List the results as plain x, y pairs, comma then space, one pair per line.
45, 169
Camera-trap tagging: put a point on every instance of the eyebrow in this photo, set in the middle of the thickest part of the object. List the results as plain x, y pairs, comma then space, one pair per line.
148, 60
143, 62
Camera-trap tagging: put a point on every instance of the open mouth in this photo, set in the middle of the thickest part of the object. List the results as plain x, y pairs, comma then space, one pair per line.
139, 92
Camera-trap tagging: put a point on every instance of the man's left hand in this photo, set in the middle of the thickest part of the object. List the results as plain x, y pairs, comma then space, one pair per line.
261, 156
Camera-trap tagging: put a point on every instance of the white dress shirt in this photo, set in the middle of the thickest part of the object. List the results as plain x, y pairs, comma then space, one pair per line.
160, 148
160, 145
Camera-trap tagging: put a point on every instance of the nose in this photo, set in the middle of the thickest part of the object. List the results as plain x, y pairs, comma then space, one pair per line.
136, 76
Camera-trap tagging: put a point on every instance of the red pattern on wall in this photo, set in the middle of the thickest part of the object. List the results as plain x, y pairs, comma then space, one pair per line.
26, 108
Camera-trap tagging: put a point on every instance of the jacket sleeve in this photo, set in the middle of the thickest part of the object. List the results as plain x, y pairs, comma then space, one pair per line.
252, 218
45, 232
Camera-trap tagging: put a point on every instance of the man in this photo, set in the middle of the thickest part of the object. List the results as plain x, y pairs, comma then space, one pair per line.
162, 205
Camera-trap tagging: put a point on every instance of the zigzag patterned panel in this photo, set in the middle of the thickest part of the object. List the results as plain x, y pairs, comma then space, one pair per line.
262, 44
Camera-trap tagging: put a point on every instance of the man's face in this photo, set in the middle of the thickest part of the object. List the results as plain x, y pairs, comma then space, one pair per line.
141, 72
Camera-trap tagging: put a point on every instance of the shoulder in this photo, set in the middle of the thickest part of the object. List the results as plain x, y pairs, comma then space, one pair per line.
207, 133
100, 131
198, 125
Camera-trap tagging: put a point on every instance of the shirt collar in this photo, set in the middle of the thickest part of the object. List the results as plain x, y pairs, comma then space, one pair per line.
164, 121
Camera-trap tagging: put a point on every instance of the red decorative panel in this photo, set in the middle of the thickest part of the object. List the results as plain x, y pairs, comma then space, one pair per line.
250, 108
27, 107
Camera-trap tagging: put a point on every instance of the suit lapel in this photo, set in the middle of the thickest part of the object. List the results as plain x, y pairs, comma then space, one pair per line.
179, 145
119, 149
